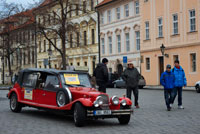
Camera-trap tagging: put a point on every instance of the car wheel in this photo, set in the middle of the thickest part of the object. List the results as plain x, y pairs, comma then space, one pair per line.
198, 89
124, 119
15, 106
79, 115
60, 98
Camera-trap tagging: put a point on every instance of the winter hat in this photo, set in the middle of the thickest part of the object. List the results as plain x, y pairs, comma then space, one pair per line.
168, 66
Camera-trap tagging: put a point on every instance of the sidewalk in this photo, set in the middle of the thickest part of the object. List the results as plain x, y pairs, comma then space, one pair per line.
161, 88
5, 87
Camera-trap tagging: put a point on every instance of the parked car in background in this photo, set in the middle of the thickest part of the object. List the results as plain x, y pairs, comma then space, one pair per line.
120, 83
197, 86
111, 78
69, 92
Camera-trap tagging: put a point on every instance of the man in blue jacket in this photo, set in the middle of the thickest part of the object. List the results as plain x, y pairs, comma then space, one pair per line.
167, 80
180, 81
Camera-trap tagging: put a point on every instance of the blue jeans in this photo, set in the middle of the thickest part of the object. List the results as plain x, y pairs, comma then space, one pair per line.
179, 90
168, 97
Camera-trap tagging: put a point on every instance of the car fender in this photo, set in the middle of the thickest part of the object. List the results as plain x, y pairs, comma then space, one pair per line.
13, 90
128, 101
85, 102
197, 83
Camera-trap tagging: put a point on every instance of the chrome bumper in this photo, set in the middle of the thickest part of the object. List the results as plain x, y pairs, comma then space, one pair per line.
90, 113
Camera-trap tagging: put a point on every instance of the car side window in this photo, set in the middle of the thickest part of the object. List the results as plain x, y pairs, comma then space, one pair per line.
29, 80
51, 82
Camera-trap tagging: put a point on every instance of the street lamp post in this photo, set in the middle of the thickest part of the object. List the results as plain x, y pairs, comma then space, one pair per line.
162, 49
49, 54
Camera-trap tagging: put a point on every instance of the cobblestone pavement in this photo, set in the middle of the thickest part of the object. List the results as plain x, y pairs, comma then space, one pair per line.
151, 118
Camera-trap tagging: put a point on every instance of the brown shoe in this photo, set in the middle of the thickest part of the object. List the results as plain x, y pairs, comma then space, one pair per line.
137, 106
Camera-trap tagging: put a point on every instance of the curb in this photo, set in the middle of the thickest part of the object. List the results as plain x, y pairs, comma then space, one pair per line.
161, 88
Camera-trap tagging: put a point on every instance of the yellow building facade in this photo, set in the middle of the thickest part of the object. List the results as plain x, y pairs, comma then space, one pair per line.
175, 24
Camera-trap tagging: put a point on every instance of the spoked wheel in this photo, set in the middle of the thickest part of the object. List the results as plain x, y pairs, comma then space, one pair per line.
15, 106
79, 115
61, 98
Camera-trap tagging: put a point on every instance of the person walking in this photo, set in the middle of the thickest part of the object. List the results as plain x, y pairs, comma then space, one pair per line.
101, 75
180, 81
131, 77
167, 79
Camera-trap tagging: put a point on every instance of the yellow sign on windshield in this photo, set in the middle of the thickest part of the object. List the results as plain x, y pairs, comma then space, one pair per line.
72, 79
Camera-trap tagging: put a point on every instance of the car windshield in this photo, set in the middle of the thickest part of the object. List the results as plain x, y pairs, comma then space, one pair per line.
79, 80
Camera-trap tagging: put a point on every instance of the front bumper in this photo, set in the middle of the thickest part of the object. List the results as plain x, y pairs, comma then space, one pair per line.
113, 113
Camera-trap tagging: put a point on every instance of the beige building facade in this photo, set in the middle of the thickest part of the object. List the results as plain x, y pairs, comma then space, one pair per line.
175, 24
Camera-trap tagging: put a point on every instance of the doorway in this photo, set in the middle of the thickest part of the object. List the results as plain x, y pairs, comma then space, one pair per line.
161, 66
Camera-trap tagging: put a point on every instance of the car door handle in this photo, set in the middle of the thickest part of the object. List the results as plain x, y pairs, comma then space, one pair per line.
43, 94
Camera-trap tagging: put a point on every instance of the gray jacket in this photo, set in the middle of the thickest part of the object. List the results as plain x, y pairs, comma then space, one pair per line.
131, 77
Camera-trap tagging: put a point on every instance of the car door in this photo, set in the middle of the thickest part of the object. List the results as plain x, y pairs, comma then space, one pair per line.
28, 86
50, 90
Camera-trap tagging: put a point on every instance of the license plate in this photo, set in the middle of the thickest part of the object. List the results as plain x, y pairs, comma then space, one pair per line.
102, 112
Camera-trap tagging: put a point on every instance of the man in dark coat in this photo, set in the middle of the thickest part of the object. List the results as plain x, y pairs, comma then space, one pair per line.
131, 77
101, 75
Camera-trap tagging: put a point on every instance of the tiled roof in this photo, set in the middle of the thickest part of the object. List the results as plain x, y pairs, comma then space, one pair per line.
46, 2
104, 3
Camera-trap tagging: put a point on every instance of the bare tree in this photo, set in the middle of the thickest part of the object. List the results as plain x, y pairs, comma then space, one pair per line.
12, 16
57, 22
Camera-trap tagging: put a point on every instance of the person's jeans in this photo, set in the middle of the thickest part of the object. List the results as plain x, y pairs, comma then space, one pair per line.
168, 94
135, 93
179, 91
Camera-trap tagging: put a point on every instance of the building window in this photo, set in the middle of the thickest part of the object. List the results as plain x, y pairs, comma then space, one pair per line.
40, 47
24, 56
109, 16
78, 63
84, 6
85, 38
71, 44
70, 11
54, 17
127, 42
126, 7
55, 43
175, 57
147, 30
44, 45
33, 56
175, 24
110, 44
92, 5
147, 63
118, 13
49, 19
192, 21
193, 62
160, 27
119, 43
137, 7
137, 40
103, 45
77, 10
44, 20
93, 36
50, 44
102, 18
85, 64
55, 66
78, 41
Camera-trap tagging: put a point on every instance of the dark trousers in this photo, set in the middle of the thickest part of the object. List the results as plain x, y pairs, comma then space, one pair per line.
102, 86
168, 94
135, 93
179, 91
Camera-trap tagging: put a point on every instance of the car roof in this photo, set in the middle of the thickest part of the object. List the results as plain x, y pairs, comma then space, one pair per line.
51, 71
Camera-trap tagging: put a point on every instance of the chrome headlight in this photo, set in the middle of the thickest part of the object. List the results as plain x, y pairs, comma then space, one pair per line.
98, 102
123, 102
115, 100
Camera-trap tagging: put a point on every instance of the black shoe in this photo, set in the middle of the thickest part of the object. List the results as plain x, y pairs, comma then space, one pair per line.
168, 109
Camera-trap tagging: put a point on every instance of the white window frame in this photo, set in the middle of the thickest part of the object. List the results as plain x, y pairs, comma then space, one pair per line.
137, 38
126, 7
102, 18
192, 18
160, 27
118, 15
110, 44
193, 62
109, 16
103, 45
137, 7
127, 41
175, 24
119, 43
147, 30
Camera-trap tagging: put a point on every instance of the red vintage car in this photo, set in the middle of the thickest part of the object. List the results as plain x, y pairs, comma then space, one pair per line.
67, 91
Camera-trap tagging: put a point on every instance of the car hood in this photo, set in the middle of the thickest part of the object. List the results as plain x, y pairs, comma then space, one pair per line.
85, 90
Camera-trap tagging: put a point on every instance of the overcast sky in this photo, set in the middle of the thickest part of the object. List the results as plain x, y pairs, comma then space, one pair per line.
23, 2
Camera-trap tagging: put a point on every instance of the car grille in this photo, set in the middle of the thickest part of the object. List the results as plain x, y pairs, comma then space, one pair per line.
105, 99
